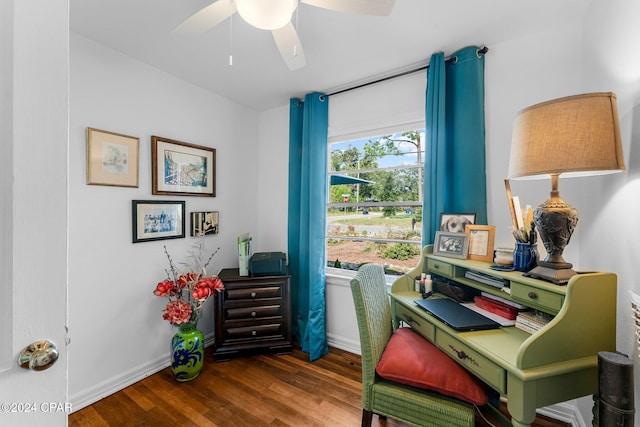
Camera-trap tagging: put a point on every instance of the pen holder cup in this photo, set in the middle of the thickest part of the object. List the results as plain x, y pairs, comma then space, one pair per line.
525, 257
244, 265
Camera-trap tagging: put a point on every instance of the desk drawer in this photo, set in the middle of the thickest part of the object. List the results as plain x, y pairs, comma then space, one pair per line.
536, 298
420, 325
442, 268
473, 361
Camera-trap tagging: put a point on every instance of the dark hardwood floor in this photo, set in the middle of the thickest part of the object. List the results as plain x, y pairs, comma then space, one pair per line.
255, 390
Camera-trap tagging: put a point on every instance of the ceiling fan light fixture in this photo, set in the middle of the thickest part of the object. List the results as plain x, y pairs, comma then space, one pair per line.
266, 14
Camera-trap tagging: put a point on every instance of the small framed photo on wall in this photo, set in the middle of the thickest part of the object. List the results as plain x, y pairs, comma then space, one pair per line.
157, 220
204, 223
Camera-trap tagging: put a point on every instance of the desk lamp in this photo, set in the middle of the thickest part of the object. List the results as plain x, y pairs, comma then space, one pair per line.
572, 136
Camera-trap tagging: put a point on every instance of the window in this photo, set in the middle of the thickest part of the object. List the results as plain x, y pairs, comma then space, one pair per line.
374, 211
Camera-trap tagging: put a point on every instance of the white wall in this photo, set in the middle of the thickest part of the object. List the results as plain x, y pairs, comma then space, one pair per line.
611, 63
115, 322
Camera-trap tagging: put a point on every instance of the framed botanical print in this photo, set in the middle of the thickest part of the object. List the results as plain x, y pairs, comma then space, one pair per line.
178, 168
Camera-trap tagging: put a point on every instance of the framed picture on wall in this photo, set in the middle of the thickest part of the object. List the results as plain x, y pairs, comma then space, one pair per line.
157, 220
178, 168
481, 241
204, 223
112, 158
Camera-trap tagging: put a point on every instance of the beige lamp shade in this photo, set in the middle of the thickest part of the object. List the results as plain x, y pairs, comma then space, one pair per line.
572, 136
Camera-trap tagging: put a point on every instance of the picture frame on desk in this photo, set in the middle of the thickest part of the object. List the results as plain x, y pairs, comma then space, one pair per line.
455, 222
481, 242
178, 168
452, 245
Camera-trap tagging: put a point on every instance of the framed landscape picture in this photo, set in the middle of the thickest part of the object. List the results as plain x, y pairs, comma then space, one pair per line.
157, 220
112, 158
178, 168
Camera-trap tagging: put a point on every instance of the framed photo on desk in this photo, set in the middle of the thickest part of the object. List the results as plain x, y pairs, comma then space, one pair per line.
453, 245
481, 241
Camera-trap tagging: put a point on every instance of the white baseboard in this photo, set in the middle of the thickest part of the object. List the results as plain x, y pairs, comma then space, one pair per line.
343, 343
93, 394
566, 412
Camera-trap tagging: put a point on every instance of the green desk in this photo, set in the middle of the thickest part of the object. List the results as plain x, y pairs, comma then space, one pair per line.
555, 364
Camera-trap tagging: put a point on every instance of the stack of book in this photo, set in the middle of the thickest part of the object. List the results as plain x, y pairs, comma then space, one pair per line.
500, 306
532, 321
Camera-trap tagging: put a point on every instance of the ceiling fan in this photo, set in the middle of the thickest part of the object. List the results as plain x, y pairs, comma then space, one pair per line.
275, 15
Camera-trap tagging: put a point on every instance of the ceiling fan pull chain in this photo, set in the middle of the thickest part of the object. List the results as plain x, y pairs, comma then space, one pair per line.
231, 41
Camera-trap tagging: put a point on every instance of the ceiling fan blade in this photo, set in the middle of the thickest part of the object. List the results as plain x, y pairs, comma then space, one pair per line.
363, 7
288, 43
207, 18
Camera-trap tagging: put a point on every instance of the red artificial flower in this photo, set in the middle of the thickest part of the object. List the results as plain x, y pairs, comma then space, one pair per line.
187, 278
201, 293
177, 312
165, 288
213, 283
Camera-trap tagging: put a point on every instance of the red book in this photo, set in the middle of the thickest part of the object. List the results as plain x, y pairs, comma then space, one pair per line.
496, 307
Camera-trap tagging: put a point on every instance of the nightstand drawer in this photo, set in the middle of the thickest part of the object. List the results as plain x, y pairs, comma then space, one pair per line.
254, 331
256, 312
253, 293
473, 361
439, 267
420, 325
536, 298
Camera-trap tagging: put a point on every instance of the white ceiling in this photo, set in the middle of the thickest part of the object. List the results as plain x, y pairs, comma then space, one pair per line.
341, 49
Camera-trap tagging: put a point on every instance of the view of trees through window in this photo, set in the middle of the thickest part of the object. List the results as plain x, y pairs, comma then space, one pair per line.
374, 211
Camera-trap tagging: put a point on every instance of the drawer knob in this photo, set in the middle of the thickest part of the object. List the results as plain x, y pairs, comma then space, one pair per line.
532, 295
254, 333
253, 294
436, 266
253, 314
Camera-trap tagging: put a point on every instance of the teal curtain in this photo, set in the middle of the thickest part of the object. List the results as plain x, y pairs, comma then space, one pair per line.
308, 127
455, 166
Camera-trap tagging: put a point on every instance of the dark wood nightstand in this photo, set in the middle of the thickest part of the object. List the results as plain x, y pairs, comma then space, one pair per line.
252, 314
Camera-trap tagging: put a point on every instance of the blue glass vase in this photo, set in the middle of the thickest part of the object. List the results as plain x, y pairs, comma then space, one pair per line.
187, 352
525, 257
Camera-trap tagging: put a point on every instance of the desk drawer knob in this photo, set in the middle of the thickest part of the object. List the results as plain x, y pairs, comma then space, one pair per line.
254, 333
436, 266
533, 295
253, 314
253, 294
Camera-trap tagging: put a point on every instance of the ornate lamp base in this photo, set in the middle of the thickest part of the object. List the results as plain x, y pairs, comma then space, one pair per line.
551, 274
555, 221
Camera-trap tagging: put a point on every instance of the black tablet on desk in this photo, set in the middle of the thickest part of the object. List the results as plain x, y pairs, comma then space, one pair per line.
456, 315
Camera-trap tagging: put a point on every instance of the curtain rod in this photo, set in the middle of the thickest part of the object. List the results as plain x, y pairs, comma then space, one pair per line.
481, 51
